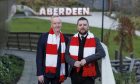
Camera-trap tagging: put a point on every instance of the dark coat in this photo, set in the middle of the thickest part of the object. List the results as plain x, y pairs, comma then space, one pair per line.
99, 53
40, 57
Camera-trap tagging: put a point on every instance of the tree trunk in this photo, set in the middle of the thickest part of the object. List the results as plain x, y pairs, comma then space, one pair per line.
120, 53
5, 12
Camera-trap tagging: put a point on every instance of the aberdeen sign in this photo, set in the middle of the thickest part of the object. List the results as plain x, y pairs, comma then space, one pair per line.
64, 11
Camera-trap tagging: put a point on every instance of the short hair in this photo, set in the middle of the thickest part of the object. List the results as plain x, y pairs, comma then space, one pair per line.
54, 16
82, 18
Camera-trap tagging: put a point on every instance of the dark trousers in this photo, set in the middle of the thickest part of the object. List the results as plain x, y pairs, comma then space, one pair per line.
51, 81
76, 78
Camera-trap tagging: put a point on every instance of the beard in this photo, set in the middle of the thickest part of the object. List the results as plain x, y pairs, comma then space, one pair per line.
83, 33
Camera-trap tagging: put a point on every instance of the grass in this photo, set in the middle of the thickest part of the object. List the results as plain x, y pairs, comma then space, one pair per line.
125, 78
37, 25
11, 68
29, 25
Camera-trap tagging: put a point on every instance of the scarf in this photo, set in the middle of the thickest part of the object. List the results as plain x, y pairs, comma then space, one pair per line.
52, 55
89, 49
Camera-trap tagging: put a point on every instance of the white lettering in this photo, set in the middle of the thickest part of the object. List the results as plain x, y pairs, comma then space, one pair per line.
80, 10
68, 11
74, 12
64, 11
42, 11
61, 11
55, 11
85, 11
49, 11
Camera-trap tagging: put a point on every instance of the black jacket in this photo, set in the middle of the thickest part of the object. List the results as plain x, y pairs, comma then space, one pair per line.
99, 53
40, 57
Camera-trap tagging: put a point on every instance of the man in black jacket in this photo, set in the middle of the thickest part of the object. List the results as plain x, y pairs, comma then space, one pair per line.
82, 53
50, 60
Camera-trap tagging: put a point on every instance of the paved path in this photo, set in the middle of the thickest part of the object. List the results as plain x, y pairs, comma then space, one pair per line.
29, 72
137, 33
95, 20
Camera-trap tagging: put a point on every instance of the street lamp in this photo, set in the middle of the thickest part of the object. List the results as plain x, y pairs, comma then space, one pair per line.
102, 31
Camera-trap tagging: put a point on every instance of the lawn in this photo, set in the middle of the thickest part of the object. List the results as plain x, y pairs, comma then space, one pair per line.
37, 25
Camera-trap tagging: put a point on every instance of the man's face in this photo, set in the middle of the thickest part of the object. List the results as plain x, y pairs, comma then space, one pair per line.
56, 24
82, 27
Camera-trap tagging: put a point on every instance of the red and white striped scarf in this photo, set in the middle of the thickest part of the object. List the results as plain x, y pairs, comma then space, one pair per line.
89, 49
52, 54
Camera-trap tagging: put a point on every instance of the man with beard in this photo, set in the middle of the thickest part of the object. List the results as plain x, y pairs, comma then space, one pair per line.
50, 60
82, 54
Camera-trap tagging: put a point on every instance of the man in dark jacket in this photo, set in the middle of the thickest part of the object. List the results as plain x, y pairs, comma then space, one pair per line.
50, 60
82, 54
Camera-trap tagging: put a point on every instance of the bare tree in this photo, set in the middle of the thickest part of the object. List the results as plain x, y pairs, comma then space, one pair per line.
126, 31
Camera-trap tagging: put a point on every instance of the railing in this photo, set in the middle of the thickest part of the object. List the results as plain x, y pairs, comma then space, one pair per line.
129, 64
24, 40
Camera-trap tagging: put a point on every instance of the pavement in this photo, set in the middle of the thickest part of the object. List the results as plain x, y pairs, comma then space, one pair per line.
137, 33
29, 72
95, 20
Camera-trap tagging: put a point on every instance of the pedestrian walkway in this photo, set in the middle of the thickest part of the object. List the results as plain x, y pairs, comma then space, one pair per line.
95, 20
29, 72
137, 33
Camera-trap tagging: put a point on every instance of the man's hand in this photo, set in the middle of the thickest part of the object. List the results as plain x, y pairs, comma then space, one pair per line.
41, 79
77, 64
83, 62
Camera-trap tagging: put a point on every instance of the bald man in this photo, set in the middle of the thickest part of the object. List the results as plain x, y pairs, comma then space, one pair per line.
51, 65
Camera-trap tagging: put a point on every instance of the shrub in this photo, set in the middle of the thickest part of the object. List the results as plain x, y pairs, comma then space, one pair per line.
10, 69
125, 78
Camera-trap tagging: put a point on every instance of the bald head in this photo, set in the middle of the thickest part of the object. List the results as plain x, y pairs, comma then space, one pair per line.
55, 19
56, 23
